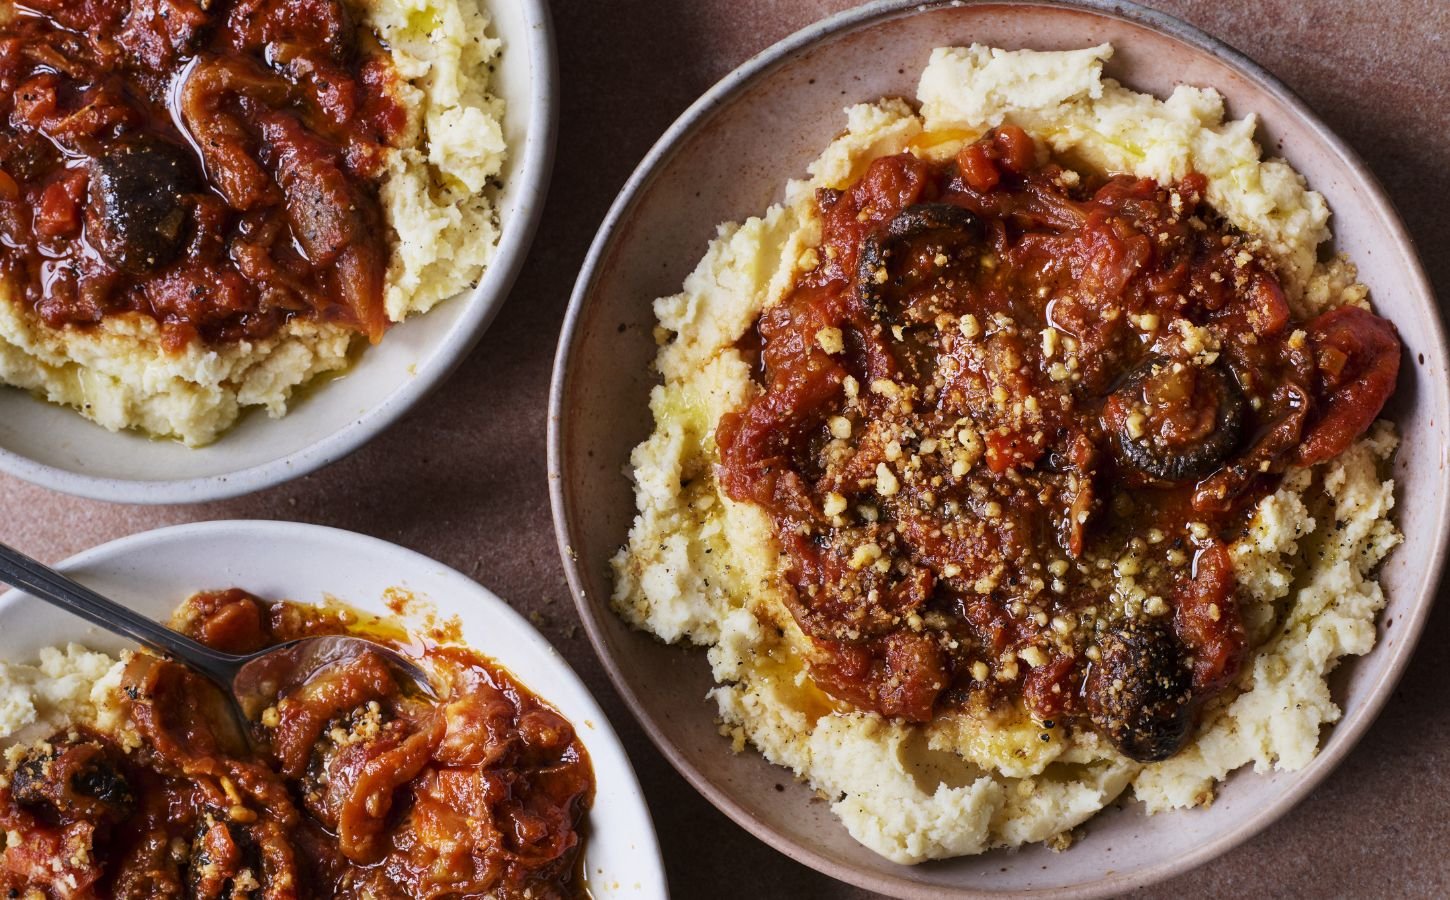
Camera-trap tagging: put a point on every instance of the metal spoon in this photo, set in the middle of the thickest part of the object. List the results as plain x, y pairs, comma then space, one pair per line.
253, 682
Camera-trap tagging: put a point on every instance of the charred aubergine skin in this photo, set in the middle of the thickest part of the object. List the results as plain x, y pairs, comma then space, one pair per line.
951, 224
1212, 387
1139, 694
73, 776
138, 203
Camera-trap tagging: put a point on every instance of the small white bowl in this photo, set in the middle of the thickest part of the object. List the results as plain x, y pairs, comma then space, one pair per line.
55, 447
155, 571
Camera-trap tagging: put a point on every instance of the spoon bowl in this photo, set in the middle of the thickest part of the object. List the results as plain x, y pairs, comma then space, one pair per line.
263, 677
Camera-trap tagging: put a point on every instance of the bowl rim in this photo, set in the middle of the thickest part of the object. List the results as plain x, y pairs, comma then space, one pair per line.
481, 305
1348, 730
116, 554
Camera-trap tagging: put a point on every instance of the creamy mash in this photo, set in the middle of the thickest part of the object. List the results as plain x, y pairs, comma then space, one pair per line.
67, 686
703, 569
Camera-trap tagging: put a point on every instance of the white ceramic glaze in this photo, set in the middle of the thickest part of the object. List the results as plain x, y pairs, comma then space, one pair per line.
155, 571
728, 157
55, 447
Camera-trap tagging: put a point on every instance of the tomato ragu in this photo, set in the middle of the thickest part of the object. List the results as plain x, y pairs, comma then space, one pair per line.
1001, 381
214, 166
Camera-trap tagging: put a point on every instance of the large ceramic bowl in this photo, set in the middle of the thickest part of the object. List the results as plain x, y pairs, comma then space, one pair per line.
54, 447
728, 157
155, 571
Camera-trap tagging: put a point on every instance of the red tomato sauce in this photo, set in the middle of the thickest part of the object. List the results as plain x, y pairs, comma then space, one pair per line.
213, 166
1008, 387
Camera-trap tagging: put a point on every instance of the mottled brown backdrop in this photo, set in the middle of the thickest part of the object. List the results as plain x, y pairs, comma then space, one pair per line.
462, 478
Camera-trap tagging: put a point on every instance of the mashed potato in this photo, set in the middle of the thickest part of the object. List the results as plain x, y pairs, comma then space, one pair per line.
436, 194
701, 568
68, 686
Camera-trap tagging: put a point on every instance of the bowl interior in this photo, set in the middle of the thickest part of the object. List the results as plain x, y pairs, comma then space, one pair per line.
715, 167
154, 572
55, 447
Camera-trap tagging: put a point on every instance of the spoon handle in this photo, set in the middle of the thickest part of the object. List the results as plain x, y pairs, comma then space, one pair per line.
43, 582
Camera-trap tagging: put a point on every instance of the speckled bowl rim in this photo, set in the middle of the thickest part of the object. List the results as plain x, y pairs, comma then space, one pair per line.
1348, 730
482, 303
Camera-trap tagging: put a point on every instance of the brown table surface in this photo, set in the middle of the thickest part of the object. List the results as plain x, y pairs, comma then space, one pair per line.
462, 477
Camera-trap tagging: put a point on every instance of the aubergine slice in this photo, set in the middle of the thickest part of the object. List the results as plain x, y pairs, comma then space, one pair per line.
1139, 693
73, 777
138, 205
1176, 421
954, 224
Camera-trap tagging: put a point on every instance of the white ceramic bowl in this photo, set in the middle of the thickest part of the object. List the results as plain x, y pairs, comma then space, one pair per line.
728, 157
55, 447
155, 571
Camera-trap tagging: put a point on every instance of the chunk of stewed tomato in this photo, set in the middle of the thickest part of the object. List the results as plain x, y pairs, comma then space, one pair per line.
1358, 355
